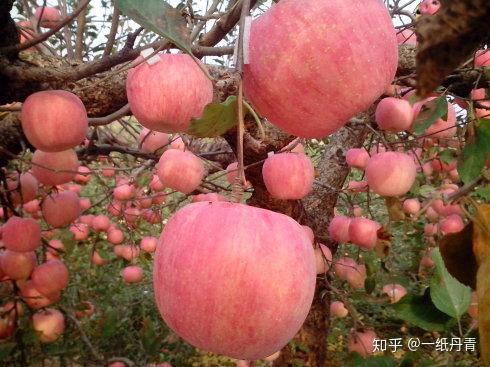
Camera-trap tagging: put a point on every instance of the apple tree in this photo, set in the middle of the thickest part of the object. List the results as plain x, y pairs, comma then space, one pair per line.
241, 182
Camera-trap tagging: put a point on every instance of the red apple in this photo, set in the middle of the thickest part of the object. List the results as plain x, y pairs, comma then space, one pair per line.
362, 342
394, 114
482, 58
101, 223
180, 170
165, 96
24, 187
153, 142
18, 265
323, 257
61, 209
337, 309
440, 128
288, 176
50, 323
395, 292
222, 267
356, 277
83, 175
364, 232
451, 224
31, 296
47, 16
21, 234
54, 168
429, 7
149, 244
357, 157
343, 266
132, 274
115, 236
80, 231
411, 206
338, 229
54, 120
332, 62
50, 277
391, 173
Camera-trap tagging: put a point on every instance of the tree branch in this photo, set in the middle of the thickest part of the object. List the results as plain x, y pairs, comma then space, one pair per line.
44, 36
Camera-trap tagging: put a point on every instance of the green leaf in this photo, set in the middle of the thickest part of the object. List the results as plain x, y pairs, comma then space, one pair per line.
104, 252
144, 179
369, 284
430, 113
413, 99
421, 312
475, 154
159, 17
426, 191
216, 119
412, 359
377, 361
30, 336
149, 337
5, 350
110, 323
447, 156
448, 294
68, 239
483, 192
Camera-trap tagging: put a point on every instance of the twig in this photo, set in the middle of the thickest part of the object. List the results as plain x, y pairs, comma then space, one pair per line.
44, 36
84, 337
99, 121
113, 32
66, 30
79, 40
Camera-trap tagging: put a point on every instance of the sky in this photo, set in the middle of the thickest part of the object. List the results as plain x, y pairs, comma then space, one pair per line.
100, 15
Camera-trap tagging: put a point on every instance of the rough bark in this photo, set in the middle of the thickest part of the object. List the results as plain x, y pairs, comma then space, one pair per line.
315, 211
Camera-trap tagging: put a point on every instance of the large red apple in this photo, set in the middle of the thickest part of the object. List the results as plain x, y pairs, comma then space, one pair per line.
165, 96
315, 64
54, 120
234, 279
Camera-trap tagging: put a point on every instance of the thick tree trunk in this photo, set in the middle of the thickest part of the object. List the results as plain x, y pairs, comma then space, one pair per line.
317, 211
310, 344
